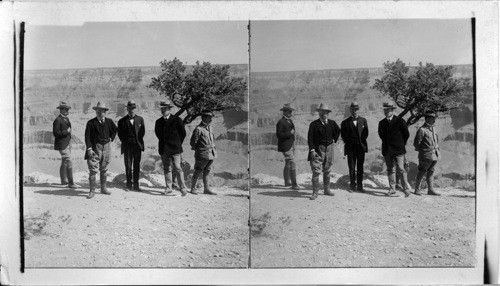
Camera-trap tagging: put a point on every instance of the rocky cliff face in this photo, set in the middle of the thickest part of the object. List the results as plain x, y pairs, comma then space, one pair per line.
305, 90
83, 88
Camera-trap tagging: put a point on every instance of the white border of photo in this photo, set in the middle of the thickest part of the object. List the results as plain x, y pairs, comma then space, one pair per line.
76, 13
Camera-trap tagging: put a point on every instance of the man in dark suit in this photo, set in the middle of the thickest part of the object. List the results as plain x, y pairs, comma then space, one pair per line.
354, 131
99, 133
394, 134
322, 133
170, 131
285, 131
131, 132
61, 128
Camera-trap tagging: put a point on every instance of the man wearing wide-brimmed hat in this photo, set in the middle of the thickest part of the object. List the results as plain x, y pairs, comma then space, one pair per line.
99, 133
322, 135
61, 128
426, 143
354, 131
170, 131
203, 143
394, 134
131, 132
285, 131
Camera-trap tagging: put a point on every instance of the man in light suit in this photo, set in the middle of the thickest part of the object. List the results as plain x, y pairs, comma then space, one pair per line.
61, 128
354, 131
203, 143
322, 135
426, 144
131, 132
285, 131
394, 134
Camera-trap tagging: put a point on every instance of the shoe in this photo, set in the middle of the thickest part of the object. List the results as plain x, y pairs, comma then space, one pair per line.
183, 192
433, 193
193, 192
166, 192
352, 189
314, 196
73, 186
64, 183
329, 193
392, 193
297, 187
407, 193
90, 195
209, 192
418, 192
137, 189
360, 189
105, 192
128, 188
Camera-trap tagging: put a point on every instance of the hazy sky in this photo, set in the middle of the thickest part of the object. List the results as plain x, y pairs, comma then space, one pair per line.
128, 44
340, 44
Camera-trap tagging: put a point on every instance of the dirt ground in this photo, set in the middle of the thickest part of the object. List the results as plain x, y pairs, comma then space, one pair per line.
131, 229
361, 229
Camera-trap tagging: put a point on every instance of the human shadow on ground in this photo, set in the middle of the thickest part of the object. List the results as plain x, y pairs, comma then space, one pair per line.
287, 193
67, 192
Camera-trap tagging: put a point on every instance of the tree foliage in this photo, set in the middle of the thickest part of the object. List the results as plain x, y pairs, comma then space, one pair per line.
200, 87
425, 87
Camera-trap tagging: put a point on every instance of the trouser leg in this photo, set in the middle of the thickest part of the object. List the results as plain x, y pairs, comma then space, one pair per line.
206, 174
351, 163
167, 170
286, 173
127, 158
180, 174
389, 162
137, 165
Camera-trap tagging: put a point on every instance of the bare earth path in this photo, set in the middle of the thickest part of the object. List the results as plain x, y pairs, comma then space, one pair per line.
361, 230
131, 229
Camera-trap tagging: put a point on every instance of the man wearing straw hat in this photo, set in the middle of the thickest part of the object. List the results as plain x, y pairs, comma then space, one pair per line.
322, 133
61, 128
131, 132
203, 143
285, 131
170, 132
99, 133
394, 134
426, 143
354, 131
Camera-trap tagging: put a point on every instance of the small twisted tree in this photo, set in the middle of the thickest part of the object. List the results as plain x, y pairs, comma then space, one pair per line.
200, 87
424, 88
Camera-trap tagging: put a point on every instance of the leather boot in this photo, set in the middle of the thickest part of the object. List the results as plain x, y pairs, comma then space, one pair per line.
196, 175
168, 183
181, 183
420, 176
293, 178
326, 185
430, 184
62, 171
92, 186
315, 185
104, 190
206, 186
69, 173
287, 174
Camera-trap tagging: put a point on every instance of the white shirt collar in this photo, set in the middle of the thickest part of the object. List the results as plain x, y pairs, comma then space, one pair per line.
168, 116
390, 119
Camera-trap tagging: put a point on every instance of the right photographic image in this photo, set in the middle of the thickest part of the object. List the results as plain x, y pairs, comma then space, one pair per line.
362, 143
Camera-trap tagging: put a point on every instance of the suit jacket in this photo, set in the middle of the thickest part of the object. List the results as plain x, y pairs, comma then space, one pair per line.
203, 143
347, 129
61, 135
171, 134
426, 143
314, 133
139, 131
394, 135
283, 132
92, 133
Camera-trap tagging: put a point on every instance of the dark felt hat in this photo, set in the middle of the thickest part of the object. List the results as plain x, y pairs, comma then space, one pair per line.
63, 104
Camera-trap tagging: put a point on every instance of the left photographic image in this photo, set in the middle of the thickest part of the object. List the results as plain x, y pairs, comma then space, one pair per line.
134, 145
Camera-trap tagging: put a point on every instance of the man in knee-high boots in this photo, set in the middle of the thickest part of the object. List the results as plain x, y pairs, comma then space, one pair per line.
203, 143
426, 143
61, 128
170, 131
285, 131
99, 133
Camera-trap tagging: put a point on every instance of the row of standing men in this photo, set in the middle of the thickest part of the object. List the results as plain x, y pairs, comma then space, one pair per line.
170, 131
393, 132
